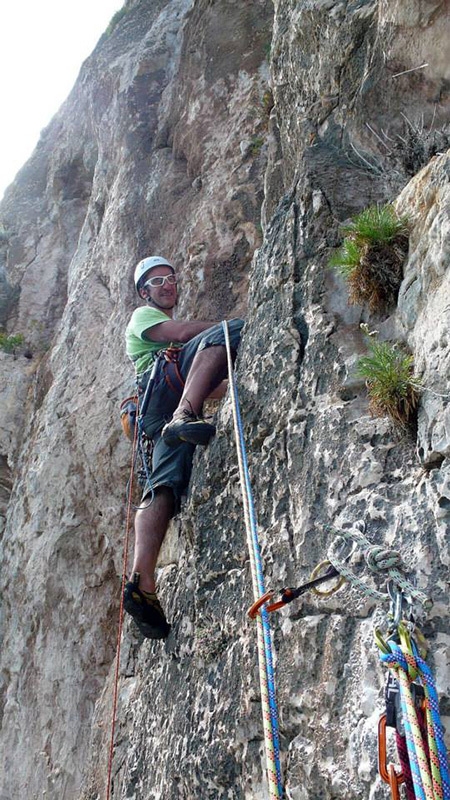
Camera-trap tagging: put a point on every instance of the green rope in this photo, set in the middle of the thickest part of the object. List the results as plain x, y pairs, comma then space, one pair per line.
378, 559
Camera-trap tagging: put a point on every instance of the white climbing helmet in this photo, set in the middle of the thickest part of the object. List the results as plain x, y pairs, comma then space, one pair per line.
148, 263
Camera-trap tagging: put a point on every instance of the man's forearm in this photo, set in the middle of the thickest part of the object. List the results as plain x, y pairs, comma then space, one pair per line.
178, 330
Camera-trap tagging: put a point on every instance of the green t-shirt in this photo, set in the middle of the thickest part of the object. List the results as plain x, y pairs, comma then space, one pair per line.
139, 349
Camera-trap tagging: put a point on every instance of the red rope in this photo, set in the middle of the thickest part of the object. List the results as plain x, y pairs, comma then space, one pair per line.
120, 626
403, 756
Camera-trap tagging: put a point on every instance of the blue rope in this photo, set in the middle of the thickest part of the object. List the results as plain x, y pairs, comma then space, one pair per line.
261, 589
396, 660
430, 688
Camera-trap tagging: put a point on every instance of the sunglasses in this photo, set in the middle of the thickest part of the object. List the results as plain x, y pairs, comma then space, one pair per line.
160, 280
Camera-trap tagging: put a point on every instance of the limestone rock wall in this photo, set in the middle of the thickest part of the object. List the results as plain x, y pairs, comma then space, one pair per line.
233, 137
112, 179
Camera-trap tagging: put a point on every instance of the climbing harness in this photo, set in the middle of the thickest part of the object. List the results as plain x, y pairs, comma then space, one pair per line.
132, 412
128, 408
266, 672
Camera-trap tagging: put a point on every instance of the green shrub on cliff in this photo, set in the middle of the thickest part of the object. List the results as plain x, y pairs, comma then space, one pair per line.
392, 387
9, 343
371, 256
115, 19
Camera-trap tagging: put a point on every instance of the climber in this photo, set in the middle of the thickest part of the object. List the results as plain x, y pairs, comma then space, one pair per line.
191, 366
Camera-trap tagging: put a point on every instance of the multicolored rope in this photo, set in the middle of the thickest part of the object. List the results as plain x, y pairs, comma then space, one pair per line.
266, 671
427, 758
438, 751
420, 771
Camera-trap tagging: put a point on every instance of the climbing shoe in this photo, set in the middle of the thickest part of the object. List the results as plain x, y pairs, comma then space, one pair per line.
145, 609
187, 428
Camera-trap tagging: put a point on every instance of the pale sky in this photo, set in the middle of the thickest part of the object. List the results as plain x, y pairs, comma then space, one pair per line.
43, 44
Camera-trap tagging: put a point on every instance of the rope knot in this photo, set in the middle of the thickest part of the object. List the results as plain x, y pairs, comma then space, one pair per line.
381, 558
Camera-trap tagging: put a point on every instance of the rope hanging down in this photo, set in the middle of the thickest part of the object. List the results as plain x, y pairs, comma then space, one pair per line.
120, 624
266, 672
427, 755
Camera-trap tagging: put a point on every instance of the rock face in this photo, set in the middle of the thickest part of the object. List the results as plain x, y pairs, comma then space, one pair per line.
177, 138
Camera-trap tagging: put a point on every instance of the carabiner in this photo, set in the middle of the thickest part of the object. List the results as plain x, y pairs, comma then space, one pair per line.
253, 610
331, 572
394, 782
398, 600
387, 773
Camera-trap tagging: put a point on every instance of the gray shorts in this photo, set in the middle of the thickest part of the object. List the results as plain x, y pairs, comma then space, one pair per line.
171, 466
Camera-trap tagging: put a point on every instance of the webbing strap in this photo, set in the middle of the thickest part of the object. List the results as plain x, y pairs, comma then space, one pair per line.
266, 671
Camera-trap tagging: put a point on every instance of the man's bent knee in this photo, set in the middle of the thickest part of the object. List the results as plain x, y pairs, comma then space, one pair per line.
164, 492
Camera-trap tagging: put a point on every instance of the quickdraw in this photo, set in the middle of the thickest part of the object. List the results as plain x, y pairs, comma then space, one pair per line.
289, 594
378, 559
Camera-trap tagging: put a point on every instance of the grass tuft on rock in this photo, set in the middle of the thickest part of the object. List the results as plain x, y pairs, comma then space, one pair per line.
371, 257
392, 387
9, 344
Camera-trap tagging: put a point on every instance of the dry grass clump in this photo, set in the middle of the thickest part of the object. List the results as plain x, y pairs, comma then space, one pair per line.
372, 255
392, 387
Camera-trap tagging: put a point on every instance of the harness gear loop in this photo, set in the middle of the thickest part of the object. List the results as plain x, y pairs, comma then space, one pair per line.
265, 658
